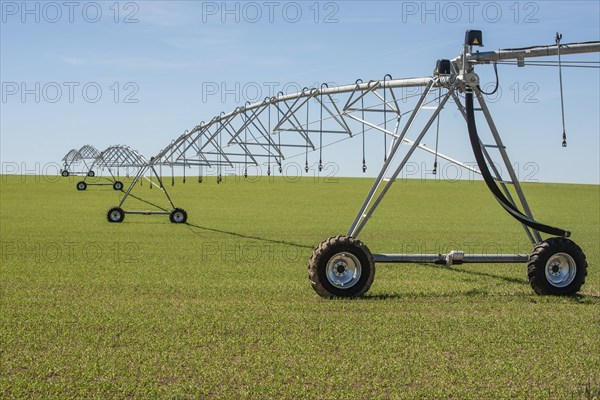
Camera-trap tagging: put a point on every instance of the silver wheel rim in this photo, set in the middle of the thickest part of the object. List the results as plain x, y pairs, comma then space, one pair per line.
115, 215
561, 270
118, 186
343, 270
80, 186
178, 216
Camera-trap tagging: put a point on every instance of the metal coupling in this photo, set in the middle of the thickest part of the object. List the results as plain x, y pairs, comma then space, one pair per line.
454, 257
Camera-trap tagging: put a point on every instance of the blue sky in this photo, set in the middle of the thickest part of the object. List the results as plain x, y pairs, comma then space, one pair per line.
142, 72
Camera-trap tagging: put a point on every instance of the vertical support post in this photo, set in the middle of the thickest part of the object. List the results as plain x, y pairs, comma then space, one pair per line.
387, 163
161, 184
140, 173
402, 163
362, 218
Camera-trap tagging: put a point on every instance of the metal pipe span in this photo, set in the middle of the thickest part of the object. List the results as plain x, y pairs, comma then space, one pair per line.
534, 51
474, 58
443, 258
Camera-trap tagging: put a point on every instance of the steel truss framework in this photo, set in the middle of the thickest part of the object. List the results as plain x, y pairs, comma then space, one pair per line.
268, 133
113, 159
79, 159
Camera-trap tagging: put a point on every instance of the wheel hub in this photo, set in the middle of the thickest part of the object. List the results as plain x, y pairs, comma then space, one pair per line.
340, 269
343, 270
561, 270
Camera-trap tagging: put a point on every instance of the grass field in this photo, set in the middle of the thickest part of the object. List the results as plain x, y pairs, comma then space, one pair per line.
222, 307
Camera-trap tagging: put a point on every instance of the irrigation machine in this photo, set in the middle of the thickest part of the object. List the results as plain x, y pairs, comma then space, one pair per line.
400, 112
113, 159
79, 159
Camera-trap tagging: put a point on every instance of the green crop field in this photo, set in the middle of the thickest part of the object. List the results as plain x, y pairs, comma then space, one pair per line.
222, 307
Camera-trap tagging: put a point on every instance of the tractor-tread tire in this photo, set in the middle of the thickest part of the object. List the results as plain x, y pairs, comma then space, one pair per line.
536, 266
181, 211
115, 209
328, 248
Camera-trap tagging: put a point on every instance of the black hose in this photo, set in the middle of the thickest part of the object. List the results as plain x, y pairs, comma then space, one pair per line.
497, 83
491, 183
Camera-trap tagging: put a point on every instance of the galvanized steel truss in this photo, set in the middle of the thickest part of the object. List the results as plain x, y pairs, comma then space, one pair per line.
79, 159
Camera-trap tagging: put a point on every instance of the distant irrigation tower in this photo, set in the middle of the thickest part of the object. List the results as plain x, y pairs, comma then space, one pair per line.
78, 162
113, 159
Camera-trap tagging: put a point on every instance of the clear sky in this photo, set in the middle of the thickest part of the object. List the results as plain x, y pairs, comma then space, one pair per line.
141, 72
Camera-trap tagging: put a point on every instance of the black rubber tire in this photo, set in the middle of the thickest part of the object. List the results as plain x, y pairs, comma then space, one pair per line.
317, 267
536, 267
65, 173
178, 216
115, 214
118, 185
91, 174
81, 185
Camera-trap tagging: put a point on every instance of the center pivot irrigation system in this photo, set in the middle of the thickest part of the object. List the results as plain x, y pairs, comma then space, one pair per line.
400, 111
114, 158
82, 158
